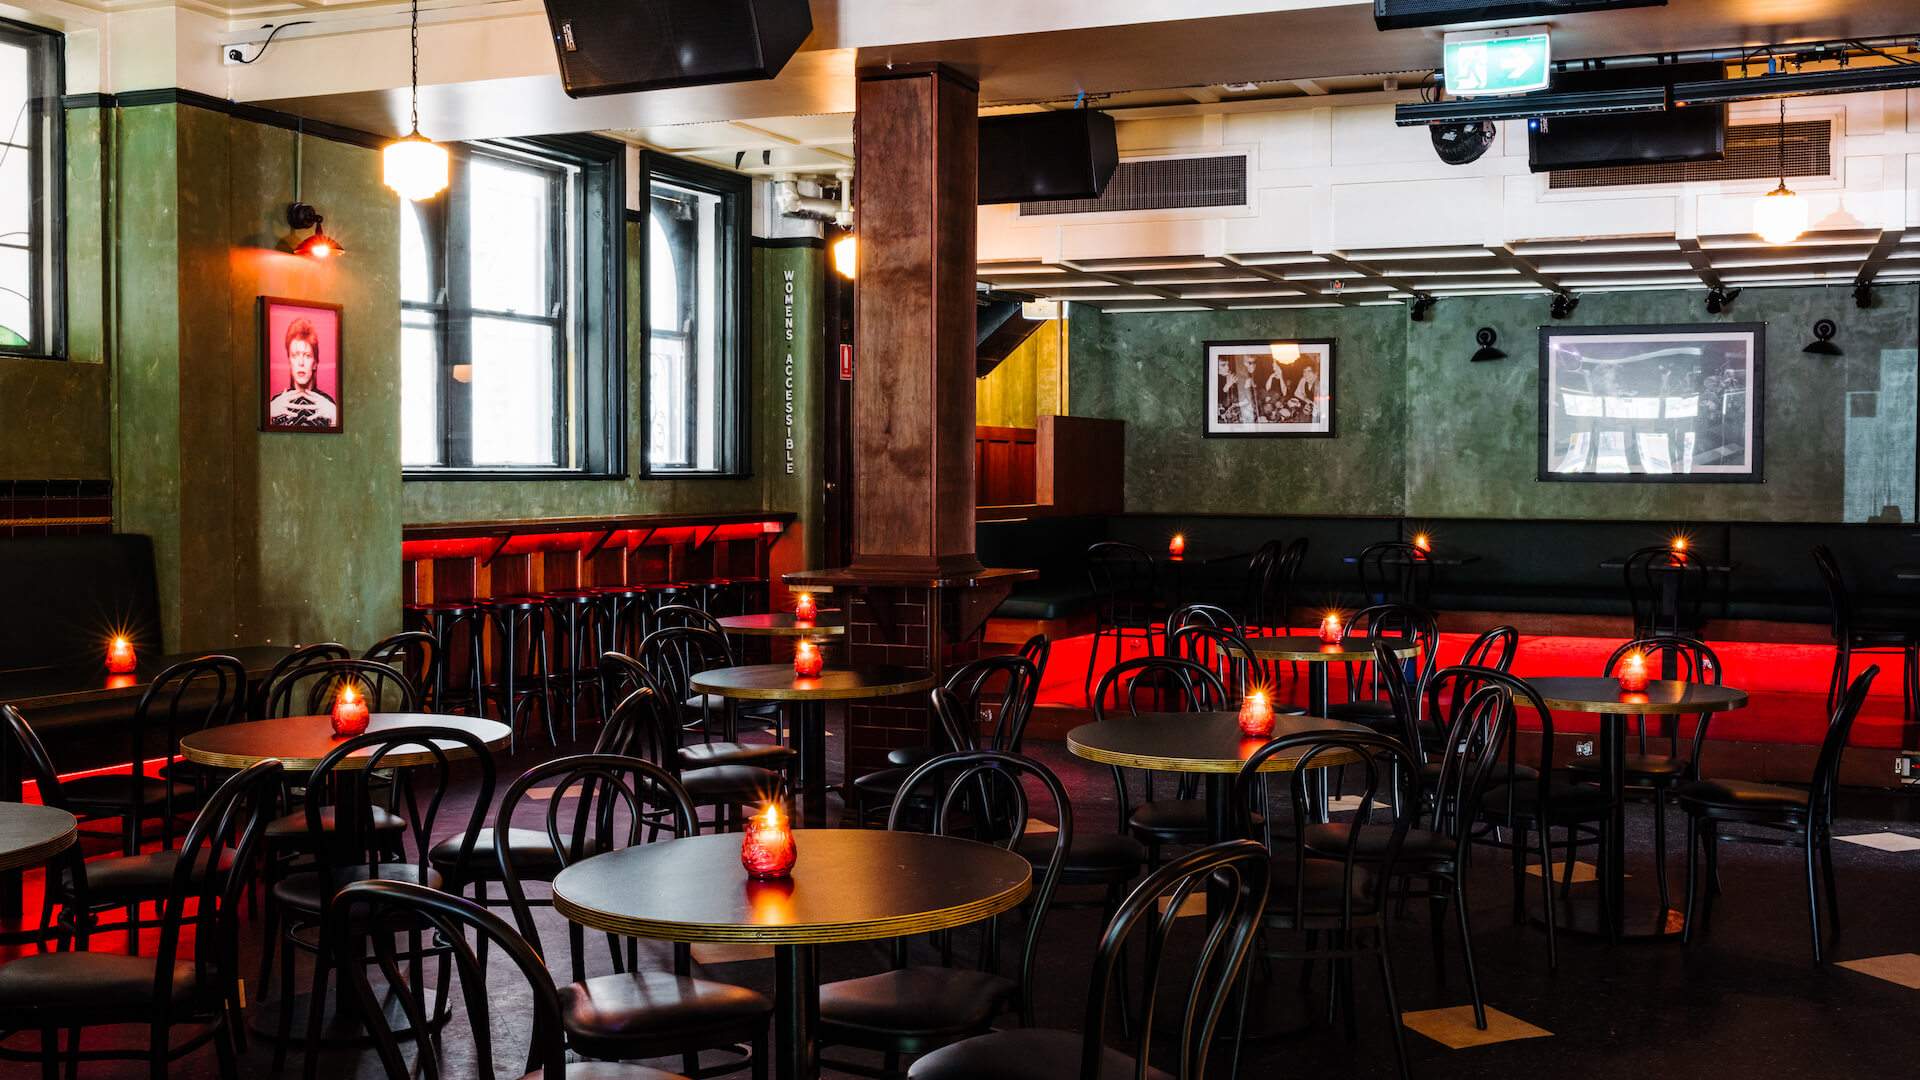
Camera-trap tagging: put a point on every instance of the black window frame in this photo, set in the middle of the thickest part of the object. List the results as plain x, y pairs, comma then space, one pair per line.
47, 198
734, 426
590, 440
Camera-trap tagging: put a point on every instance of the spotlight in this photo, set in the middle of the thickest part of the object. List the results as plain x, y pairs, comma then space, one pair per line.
1422, 303
1462, 144
1863, 295
1563, 305
318, 246
1720, 299
1486, 337
1822, 344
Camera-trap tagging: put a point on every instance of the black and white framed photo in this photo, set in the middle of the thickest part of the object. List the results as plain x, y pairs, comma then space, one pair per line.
1652, 404
1269, 387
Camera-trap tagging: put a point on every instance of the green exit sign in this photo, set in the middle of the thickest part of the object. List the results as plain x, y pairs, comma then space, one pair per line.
1511, 61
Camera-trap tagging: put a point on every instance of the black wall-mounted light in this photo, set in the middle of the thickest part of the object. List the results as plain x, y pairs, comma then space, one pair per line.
1863, 294
1422, 303
1720, 299
318, 246
1563, 305
1822, 344
1488, 351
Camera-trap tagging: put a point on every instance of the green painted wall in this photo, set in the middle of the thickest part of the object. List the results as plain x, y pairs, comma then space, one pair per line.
1421, 431
259, 537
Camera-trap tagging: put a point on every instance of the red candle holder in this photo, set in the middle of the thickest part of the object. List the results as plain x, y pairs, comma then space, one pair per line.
1332, 630
1633, 673
1256, 715
806, 609
1177, 546
808, 663
767, 849
1421, 543
120, 657
350, 714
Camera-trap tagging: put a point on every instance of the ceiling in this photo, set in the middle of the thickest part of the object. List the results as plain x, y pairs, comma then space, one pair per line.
1298, 279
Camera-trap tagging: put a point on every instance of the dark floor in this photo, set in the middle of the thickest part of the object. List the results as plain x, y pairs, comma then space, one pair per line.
1746, 1000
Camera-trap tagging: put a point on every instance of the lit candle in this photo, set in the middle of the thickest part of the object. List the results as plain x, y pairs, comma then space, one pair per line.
1421, 542
807, 661
767, 849
1679, 545
1633, 673
1177, 546
349, 713
805, 609
1256, 715
120, 658
1331, 629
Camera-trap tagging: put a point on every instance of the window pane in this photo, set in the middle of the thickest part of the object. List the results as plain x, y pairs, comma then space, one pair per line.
416, 278
16, 312
17, 152
511, 236
419, 389
685, 309
514, 415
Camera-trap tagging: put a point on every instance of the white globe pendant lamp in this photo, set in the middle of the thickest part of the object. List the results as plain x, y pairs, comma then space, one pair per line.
415, 166
1780, 216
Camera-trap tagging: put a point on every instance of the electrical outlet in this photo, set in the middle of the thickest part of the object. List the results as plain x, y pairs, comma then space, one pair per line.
1583, 748
234, 55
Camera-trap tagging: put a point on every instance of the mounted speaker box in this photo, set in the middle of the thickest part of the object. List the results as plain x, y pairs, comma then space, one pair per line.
1401, 14
1695, 133
1037, 157
626, 46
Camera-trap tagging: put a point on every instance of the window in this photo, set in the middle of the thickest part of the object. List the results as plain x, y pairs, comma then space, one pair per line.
695, 244
32, 193
510, 304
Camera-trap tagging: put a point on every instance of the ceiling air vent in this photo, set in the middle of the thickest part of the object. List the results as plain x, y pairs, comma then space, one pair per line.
1161, 184
1753, 153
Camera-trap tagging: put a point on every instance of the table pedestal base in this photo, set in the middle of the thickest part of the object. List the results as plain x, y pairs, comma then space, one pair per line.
796, 1012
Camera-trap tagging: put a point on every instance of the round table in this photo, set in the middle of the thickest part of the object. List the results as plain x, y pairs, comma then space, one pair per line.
847, 885
804, 701
831, 623
31, 834
1603, 696
299, 742
1309, 649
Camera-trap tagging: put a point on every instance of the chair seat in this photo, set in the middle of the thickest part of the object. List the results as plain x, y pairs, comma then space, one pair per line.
1741, 795
607, 1070
530, 849
1880, 636
294, 825
120, 789
1171, 821
1568, 801
741, 784
765, 755
87, 981
1088, 854
1324, 895
1430, 774
303, 891
1638, 768
1370, 713
1422, 849
1023, 1054
922, 1004
147, 876
911, 757
885, 782
645, 1005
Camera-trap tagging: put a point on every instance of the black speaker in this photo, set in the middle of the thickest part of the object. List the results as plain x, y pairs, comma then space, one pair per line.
624, 46
1401, 14
1695, 133
1036, 157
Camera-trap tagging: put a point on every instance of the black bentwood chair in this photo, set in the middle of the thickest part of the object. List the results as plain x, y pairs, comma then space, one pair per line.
1334, 900
187, 696
673, 655
386, 903
914, 1008
349, 843
1158, 684
1802, 819
417, 655
631, 1013
1035, 650
1394, 572
285, 669
1666, 591
73, 990
1126, 598
1003, 688
1238, 871
1853, 635
1367, 702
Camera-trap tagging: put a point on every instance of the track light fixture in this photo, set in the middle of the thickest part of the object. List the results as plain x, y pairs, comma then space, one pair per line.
1720, 299
1486, 337
1863, 295
1422, 303
1563, 305
1822, 344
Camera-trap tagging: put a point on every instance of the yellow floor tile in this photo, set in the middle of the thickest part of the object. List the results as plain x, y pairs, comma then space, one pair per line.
1036, 827
1900, 968
1453, 1028
1583, 872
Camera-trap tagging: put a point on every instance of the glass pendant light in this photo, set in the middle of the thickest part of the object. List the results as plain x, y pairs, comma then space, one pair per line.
1780, 216
415, 166
846, 255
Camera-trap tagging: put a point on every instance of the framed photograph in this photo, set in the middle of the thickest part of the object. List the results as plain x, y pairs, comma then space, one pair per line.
1652, 404
300, 366
1269, 387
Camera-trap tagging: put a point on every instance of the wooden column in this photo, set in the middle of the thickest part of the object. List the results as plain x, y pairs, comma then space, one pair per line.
916, 140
